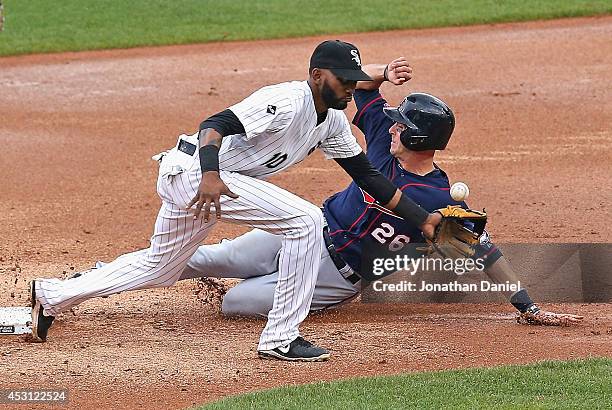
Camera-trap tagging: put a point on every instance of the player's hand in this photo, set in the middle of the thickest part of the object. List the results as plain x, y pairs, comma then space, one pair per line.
399, 71
544, 318
210, 191
429, 226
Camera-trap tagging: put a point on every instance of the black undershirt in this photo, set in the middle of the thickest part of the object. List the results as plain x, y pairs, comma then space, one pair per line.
224, 122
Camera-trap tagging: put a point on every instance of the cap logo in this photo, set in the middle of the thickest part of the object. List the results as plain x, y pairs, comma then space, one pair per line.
355, 55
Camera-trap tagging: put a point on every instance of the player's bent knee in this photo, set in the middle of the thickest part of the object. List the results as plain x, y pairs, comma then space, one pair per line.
314, 220
151, 260
237, 302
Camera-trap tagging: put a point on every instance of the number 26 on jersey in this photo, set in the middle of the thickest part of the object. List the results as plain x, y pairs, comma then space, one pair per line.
385, 234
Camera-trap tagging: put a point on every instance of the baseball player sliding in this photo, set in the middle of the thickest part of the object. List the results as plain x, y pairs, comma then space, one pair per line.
224, 166
401, 143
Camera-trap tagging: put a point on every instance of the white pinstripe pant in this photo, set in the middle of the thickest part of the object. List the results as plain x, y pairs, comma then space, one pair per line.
176, 237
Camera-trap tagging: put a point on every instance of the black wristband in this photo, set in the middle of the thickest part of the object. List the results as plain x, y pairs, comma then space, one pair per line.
521, 300
209, 158
410, 211
386, 73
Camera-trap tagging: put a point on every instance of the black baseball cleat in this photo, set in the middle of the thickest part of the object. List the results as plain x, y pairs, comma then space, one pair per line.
40, 322
300, 350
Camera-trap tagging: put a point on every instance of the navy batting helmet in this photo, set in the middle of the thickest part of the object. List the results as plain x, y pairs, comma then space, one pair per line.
429, 120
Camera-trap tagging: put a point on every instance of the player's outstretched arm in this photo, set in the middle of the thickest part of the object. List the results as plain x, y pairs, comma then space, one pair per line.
529, 313
539, 317
373, 182
397, 72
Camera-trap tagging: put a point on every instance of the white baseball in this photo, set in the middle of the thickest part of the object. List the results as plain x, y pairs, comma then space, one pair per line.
459, 191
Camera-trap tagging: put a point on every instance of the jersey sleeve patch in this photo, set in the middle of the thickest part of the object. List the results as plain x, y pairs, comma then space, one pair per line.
264, 111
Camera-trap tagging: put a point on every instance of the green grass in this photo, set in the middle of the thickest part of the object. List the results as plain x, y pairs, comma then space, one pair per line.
582, 384
36, 26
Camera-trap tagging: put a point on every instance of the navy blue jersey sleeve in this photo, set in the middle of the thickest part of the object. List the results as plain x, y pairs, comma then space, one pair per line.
374, 124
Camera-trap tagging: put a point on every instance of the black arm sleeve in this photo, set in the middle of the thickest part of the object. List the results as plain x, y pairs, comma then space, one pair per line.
224, 122
374, 183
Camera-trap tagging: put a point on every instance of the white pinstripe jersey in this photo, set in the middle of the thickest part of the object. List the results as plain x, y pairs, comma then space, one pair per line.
280, 123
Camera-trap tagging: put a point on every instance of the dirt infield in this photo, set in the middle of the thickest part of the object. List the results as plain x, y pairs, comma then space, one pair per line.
77, 131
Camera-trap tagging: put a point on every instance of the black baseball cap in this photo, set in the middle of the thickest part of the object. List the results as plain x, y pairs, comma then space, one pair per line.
340, 58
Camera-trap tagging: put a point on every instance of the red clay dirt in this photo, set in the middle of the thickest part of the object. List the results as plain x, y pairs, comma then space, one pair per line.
77, 131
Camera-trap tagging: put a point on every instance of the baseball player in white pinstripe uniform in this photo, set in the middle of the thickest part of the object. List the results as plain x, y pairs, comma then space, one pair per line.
224, 166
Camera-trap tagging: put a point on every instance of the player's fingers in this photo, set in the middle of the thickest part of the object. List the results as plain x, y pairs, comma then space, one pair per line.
567, 318
207, 209
400, 62
218, 208
403, 71
229, 193
396, 79
198, 208
399, 77
193, 201
428, 231
404, 77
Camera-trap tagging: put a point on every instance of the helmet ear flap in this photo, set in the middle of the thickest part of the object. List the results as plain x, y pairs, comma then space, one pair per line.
405, 137
413, 142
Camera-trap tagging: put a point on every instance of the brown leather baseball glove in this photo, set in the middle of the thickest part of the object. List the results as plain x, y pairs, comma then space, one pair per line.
458, 233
